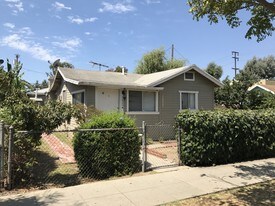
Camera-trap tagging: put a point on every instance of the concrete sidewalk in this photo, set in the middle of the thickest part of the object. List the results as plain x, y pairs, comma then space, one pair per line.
162, 187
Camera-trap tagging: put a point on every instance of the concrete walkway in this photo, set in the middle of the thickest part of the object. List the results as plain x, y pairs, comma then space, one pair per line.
162, 187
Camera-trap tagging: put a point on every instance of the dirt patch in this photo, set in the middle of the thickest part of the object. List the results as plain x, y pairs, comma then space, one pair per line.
164, 150
254, 195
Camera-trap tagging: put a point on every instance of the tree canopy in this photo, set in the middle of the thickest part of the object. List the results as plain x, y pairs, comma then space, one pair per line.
117, 69
262, 14
235, 94
155, 61
264, 68
214, 70
54, 67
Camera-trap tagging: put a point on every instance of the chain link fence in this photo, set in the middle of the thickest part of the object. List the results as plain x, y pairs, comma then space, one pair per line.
72, 157
3, 155
161, 146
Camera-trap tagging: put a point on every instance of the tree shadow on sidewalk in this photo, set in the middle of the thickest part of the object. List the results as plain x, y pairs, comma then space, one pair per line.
264, 171
34, 200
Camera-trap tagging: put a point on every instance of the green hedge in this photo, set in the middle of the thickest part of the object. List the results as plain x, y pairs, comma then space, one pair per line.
102, 154
226, 136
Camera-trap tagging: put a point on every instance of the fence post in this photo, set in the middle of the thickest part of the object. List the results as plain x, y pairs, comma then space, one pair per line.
1, 153
144, 153
179, 144
9, 179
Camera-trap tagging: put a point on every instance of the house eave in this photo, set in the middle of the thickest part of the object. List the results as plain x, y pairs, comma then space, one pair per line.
120, 86
194, 67
261, 87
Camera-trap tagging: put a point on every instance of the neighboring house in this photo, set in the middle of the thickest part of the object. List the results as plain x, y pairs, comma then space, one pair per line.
39, 95
264, 85
154, 98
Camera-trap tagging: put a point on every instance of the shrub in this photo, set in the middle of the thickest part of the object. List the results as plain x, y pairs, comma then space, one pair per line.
26, 115
18, 110
102, 154
225, 136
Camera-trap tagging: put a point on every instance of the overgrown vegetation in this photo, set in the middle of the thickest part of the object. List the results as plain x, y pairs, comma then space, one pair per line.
220, 137
18, 110
234, 94
102, 154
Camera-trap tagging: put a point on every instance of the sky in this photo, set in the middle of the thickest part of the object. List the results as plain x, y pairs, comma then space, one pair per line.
117, 33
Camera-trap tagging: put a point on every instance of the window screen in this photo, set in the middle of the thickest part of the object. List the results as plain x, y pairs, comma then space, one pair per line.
149, 101
189, 75
188, 101
135, 101
78, 98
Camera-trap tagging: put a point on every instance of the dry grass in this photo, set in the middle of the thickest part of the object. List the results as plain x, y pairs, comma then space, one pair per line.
65, 137
253, 195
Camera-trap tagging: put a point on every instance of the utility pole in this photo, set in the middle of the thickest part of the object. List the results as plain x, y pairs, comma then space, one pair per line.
99, 65
172, 53
236, 58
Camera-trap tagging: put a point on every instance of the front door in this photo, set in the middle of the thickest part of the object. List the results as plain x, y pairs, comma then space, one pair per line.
107, 99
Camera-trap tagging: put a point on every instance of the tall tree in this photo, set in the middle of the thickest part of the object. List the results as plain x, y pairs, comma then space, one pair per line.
155, 61
234, 94
117, 69
214, 70
260, 22
56, 64
264, 68
42, 85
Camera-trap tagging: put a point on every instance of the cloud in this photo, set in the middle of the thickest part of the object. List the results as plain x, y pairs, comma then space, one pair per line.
25, 31
78, 20
152, 1
15, 5
9, 25
118, 8
16, 41
60, 6
71, 44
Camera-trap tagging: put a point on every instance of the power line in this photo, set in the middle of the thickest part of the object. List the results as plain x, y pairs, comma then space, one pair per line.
30, 70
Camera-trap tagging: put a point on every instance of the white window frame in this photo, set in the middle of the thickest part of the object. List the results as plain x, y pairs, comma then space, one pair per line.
189, 79
79, 91
143, 112
196, 99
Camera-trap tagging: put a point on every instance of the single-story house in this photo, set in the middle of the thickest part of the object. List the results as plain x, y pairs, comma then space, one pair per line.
153, 98
264, 85
39, 95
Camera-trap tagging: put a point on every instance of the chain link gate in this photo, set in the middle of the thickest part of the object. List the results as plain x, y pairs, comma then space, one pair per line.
161, 146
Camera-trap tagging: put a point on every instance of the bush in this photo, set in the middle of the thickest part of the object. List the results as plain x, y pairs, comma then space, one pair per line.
102, 154
226, 136
26, 115
18, 110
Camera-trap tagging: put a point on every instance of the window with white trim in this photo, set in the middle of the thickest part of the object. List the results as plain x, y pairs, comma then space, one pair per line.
78, 97
142, 101
188, 100
189, 76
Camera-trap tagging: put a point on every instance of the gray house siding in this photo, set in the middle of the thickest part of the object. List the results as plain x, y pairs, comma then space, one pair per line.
170, 96
89, 93
150, 119
169, 99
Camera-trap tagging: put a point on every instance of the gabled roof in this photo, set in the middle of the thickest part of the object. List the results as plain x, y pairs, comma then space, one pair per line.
39, 92
268, 88
116, 79
157, 78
